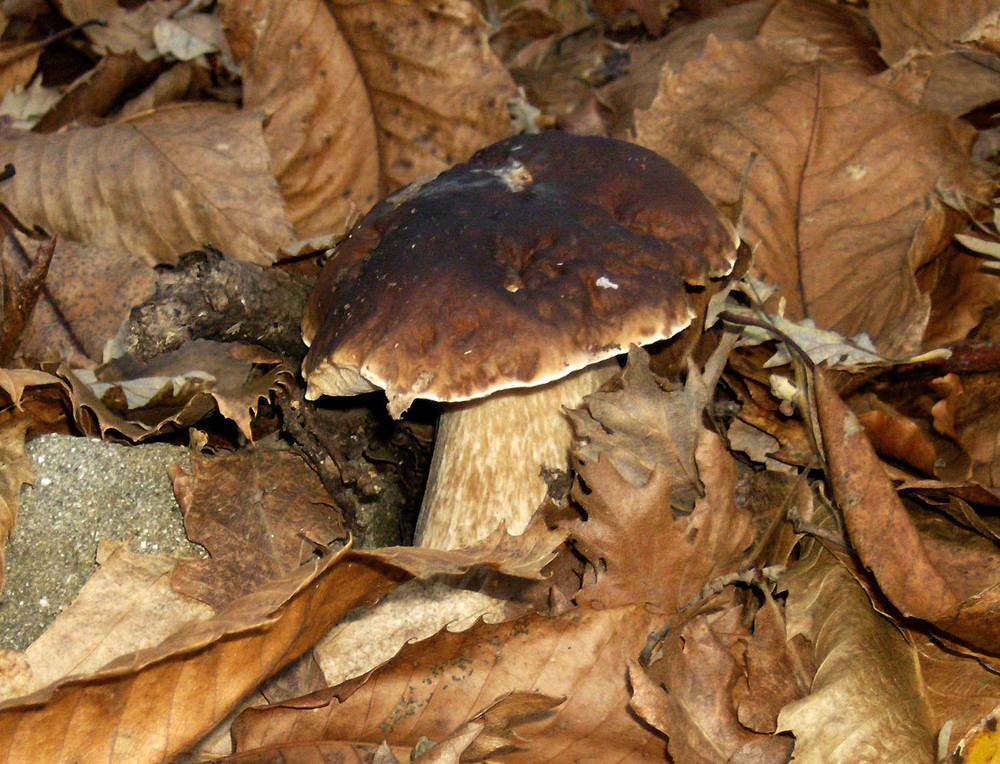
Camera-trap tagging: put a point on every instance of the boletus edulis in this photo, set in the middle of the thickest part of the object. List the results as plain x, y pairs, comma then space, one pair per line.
502, 288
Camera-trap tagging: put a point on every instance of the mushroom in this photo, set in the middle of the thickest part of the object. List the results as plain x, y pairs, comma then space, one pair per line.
504, 288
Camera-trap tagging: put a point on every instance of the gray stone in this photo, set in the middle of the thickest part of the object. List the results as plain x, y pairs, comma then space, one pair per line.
85, 490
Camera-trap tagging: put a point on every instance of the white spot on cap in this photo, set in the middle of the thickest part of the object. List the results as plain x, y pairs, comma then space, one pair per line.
605, 283
514, 175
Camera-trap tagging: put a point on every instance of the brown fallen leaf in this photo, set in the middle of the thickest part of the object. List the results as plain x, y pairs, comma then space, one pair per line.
866, 701
490, 731
18, 61
175, 389
640, 427
127, 605
872, 513
778, 670
259, 513
363, 98
835, 32
15, 471
124, 28
642, 453
154, 189
580, 656
680, 554
964, 293
97, 94
956, 687
941, 45
148, 705
966, 415
87, 294
847, 196
702, 676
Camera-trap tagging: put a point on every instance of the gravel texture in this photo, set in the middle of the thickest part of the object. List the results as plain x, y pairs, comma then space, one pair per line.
85, 490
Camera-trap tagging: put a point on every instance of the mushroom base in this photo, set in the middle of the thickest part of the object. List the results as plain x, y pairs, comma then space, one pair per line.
488, 456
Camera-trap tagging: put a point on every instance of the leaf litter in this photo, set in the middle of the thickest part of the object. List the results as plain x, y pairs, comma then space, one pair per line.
793, 556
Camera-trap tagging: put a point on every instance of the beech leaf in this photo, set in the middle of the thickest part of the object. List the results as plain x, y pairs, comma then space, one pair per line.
846, 198
154, 189
362, 98
866, 702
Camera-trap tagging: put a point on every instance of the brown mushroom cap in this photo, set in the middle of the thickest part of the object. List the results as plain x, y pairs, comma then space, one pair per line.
541, 255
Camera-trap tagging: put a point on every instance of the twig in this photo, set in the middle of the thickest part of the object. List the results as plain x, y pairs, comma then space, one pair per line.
19, 295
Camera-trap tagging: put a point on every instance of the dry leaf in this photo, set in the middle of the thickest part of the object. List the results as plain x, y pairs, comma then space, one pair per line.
18, 61
904, 25
696, 709
648, 428
176, 389
97, 93
865, 704
580, 656
259, 513
872, 513
125, 27
844, 201
364, 98
146, 706
154, 189
15, 471
806, 29
956, 687
87, 295
127, 605
643, 451
942, 51
681, 554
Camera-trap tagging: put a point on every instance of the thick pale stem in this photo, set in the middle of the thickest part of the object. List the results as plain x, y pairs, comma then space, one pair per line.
488, 456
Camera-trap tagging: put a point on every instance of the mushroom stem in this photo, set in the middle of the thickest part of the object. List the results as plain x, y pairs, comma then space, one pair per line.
488, 456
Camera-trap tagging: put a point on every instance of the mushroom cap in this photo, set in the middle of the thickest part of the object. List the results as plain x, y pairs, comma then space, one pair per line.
540, 255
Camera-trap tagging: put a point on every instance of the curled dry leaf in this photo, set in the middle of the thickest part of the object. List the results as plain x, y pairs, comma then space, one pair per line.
364, 98
967, 415
680, 554
808, 29
154, 189
149, 705
958, 687
643, 454
176, 389
873, 512
474, 741
907, 25
18, 61
96, 94
124, 28
922, 576
848, 717
846, 197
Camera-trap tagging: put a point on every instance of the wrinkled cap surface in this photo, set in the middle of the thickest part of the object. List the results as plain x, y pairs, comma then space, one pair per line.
541, 255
